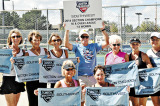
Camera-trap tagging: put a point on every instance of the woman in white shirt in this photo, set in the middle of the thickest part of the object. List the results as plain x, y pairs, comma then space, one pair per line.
55, 41
35, 38
155, 53
10, 88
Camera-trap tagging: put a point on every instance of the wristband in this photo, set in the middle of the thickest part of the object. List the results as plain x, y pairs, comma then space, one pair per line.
103, 29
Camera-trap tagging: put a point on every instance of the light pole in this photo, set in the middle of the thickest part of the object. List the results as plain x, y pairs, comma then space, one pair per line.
138, 18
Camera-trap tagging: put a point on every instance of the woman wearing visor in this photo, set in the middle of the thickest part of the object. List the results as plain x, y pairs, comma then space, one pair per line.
142, 61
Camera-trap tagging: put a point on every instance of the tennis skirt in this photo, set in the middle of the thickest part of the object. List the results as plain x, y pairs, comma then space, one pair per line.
9, 85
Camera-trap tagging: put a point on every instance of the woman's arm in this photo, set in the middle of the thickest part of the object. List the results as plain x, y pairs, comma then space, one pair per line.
146, 59
66, 53
58, 84
126, 57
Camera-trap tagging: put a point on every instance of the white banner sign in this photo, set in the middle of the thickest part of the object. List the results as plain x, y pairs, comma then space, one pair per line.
83, 14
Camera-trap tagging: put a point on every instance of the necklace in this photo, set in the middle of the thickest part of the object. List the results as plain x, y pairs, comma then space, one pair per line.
70, 83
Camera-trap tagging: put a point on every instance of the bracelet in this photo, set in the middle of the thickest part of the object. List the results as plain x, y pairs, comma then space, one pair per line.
103, 29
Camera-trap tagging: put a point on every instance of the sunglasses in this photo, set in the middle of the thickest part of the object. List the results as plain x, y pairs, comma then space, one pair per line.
116, 44
70, 69
84, 37
154, 40
58, 40
13, 37
134, 44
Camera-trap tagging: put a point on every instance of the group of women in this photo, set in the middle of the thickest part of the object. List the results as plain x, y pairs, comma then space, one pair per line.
142, 61
12, 89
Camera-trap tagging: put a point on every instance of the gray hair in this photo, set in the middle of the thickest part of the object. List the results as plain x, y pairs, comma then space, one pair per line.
114, 38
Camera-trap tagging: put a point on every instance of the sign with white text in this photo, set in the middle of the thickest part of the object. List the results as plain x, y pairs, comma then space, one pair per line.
59, 96
50, 70
107, 96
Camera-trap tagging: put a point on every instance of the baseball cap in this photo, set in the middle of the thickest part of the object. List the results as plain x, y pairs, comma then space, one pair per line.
69, 66
83, 31
156, 34
135, 40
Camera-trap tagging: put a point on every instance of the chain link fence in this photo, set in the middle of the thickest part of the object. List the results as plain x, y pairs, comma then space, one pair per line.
126, 21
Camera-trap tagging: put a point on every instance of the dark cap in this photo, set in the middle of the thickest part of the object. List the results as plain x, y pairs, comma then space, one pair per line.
135, 40
69, 66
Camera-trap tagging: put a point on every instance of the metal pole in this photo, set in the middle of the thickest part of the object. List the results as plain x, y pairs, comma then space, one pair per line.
121, 24
124, 36
47, 31
13, 4
3, 21
139, 20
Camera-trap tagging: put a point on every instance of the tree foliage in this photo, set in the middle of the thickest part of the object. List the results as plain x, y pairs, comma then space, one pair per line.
30, 20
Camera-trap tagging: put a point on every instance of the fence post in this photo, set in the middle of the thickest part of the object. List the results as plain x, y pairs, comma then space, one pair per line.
47, 30
121, 25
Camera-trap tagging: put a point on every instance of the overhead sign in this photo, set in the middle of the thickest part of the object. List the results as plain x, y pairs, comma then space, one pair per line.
82, 14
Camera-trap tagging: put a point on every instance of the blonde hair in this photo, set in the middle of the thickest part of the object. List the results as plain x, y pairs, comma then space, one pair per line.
9, 42
67, 62
114, 39
34, 33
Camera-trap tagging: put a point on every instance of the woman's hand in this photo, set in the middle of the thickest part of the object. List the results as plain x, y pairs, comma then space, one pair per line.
83, 89
12, 60
40, 60
36, 92
128, 89
103, 26
78, 60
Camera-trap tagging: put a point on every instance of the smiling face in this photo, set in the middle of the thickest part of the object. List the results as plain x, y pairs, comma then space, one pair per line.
56, 41
35, 41
99, 76
69, 72
155, 42
16, 39
135, 46
84, 39
115, 46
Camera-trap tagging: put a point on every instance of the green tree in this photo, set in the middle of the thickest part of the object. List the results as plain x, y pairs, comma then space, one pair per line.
33, 20
147, 26
15, 19
113, 27
129, 28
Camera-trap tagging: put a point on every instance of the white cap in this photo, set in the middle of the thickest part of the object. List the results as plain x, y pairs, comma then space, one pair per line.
156, 34
83, 31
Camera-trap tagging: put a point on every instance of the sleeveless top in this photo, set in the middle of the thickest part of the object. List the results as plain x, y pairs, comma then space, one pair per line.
42, 52
111, 59
64, 85
12, 73
62, 56
141, 63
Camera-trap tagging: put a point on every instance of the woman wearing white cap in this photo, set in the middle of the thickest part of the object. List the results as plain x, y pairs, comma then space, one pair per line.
155, 52
142, 61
